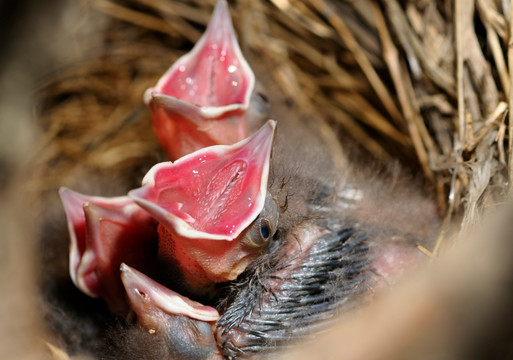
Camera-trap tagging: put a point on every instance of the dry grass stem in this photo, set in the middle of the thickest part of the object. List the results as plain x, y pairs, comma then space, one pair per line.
386, 74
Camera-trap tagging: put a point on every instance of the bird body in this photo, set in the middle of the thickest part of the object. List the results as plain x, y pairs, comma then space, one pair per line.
320, 234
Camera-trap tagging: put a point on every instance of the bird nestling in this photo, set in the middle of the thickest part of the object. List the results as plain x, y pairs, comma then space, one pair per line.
205, 204
221, 253
208, 96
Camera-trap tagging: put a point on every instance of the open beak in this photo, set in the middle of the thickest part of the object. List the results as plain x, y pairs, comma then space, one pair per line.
186, 326
206, 199
202, 99
105, 232
149, 300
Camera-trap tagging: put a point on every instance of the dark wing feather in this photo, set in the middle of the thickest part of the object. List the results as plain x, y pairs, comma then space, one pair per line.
269, 313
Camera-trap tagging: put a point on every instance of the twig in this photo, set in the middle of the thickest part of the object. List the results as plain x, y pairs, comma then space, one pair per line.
412, 45
493, 119
510, 103
498, 57
460, 125
353, 128
446, 222
136, 17
365, 112
402, 84
364, 63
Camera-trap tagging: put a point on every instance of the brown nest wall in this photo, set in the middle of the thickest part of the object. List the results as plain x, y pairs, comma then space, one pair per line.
424, 82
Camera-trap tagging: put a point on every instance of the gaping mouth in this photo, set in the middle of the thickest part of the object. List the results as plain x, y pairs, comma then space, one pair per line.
146, 295
213, 193
214, 73
204, 98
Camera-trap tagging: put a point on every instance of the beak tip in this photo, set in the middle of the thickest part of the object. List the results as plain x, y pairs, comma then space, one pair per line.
220, 27
148, 96
221, 13
68, 196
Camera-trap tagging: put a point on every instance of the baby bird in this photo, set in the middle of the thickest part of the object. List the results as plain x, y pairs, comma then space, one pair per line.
339, 238
208, 96
247, 261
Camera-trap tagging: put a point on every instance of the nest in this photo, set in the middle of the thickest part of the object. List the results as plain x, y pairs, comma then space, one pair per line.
422, 83
425, 83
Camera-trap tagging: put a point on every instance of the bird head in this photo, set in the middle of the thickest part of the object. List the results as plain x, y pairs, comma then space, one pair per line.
202, 100
104, 232
214, 211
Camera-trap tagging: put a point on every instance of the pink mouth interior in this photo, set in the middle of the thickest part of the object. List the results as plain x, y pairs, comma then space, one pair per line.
217, 190
213, 79
212, 74
208, 203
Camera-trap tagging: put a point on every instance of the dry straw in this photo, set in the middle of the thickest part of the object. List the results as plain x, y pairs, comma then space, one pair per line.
425, 82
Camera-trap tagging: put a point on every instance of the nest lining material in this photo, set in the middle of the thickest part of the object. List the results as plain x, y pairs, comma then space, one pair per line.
423, 82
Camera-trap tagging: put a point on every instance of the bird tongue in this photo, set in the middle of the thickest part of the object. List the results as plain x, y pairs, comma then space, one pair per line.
201, 100
214, 193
